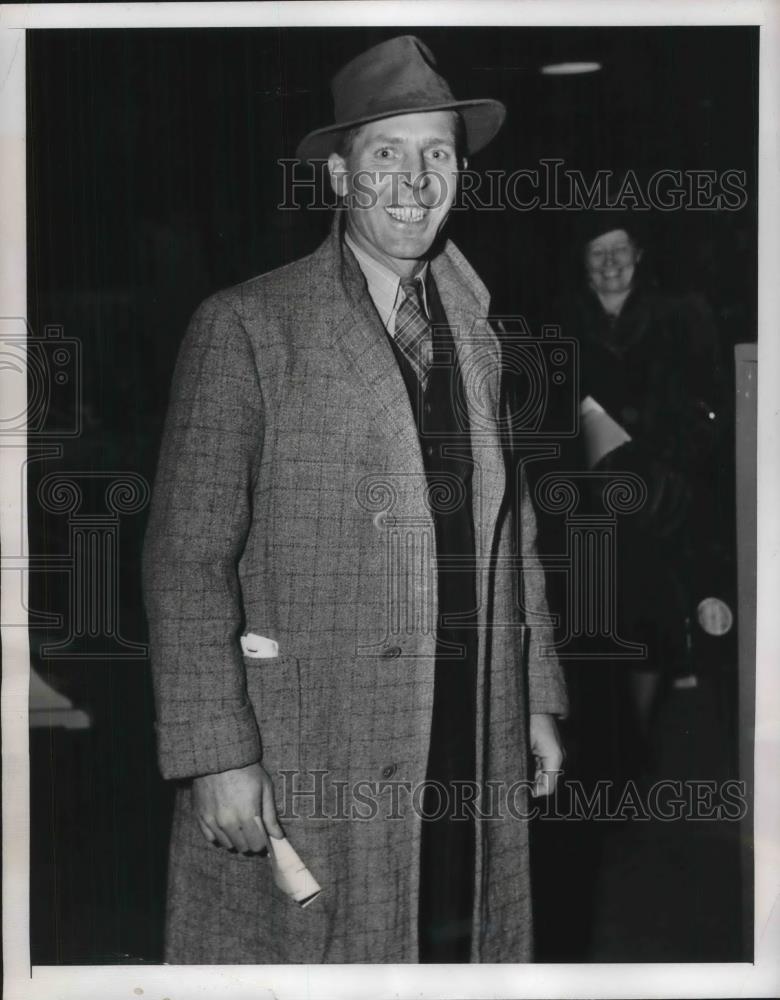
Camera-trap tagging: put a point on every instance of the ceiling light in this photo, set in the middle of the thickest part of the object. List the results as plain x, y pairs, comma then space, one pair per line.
570, 68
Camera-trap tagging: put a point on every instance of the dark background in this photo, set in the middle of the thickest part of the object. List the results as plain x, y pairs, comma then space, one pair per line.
153, 181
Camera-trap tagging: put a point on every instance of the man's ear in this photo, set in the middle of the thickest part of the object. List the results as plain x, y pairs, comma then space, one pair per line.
337, 171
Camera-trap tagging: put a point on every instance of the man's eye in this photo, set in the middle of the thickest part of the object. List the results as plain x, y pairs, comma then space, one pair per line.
439, 154
384, 153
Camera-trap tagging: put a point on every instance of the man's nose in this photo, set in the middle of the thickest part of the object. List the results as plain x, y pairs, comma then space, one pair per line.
415, 175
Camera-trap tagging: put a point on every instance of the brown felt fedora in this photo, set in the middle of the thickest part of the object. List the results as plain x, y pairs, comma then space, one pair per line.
397, 77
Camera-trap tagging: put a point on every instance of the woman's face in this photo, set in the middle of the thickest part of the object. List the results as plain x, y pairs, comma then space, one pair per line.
610, 261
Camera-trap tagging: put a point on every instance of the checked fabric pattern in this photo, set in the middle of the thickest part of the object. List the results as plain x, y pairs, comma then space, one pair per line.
287, 395
413, 331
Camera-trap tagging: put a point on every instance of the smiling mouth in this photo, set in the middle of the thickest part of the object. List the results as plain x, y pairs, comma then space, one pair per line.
403, 214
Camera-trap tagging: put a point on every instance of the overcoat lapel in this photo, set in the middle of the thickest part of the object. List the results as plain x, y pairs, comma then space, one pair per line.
350, 322
354, 328
479, 359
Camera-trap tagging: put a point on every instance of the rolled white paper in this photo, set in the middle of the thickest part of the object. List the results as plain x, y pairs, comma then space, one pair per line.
290, 874
601, 434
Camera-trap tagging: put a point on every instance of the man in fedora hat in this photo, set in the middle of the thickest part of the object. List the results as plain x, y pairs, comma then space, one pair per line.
336, 617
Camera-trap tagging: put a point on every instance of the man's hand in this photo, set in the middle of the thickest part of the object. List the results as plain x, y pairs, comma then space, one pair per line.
548, 753
236, 808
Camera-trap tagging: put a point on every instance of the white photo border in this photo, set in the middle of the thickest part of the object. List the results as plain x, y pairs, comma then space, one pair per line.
762, 978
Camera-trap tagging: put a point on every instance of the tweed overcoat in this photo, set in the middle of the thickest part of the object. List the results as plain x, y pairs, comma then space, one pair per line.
290, 501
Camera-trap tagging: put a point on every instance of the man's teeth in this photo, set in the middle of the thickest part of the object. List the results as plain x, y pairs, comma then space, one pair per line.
412, 214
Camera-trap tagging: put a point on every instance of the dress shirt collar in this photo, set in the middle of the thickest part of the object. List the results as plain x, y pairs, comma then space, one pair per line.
384, 285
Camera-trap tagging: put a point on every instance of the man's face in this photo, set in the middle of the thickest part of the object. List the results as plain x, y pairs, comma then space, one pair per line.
399, 180
611, 260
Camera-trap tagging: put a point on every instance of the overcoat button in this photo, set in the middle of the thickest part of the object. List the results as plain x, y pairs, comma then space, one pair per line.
391, 652
389, 771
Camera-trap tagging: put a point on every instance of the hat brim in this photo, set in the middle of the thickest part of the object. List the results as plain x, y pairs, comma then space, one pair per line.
482, 119
594, 222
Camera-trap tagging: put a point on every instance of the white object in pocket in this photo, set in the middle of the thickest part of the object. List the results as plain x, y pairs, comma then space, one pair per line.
258, 646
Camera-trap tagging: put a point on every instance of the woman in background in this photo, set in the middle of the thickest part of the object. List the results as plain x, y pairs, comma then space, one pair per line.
651, 375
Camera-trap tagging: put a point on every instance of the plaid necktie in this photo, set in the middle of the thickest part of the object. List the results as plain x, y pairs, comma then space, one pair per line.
413, 331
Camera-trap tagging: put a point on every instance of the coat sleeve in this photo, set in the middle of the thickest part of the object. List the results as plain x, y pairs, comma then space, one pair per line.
199, 520
547, 693
546, 684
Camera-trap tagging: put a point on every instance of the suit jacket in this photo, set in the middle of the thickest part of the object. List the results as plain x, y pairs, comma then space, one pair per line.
290, 501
